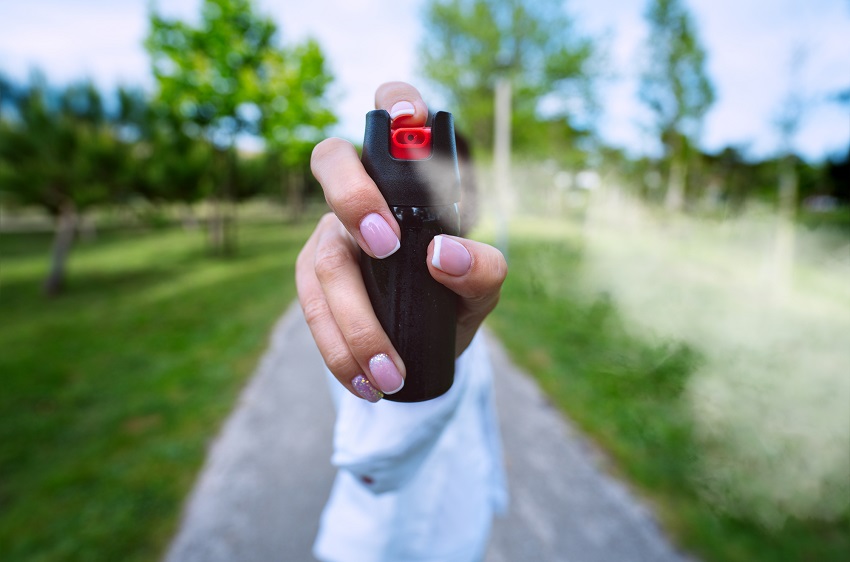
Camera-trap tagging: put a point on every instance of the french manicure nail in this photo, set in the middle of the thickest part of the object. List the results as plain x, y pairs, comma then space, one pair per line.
365, 389
401, 108
450, 256
379, 236
385, 373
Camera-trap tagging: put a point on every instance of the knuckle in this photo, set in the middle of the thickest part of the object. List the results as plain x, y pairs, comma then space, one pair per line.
483, 300
315, 310
354, 196
339, 361
361, 335
330, 261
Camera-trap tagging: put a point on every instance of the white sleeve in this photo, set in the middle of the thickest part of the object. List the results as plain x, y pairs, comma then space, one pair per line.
383, 444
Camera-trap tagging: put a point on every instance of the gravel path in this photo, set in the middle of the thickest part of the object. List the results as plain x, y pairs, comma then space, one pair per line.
268, 474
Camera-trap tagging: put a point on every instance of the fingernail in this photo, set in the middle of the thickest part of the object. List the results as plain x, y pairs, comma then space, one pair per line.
401, 108
450, 256
385, 373
365, 389
380, 238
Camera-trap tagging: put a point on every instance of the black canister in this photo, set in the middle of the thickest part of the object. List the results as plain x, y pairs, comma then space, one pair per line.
416, 171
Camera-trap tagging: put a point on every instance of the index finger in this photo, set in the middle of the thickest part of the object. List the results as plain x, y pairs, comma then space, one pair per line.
350, 192
354, 197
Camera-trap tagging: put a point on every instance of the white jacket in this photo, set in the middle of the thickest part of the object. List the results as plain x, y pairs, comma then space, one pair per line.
416, 481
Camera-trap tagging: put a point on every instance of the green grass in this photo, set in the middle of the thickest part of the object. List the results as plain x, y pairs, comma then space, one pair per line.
625, 389
112, 392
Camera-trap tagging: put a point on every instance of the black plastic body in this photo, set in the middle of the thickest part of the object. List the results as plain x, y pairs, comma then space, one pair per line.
418, 314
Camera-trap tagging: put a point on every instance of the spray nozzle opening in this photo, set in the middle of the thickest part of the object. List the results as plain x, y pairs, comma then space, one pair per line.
411, 143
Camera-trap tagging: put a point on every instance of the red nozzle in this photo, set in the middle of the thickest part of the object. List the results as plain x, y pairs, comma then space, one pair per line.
411, 144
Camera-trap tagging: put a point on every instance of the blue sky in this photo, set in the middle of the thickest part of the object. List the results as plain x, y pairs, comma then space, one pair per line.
750, 45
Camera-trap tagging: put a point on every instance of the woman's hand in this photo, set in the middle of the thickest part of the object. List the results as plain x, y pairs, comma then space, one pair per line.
330, 286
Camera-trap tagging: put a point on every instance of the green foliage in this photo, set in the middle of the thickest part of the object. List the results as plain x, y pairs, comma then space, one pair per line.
211, 75
112, 394
468, 44
676, 89
169, 165
227, 77
295, 114
838, 172
675, 85
60, 148
62, 151
69, 150
173, 167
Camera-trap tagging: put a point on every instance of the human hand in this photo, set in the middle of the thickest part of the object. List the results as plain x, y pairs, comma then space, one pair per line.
330, 286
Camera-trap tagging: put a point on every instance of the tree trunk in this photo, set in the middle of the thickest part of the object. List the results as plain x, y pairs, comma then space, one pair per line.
188, 218
502, 159
222, 227
675, 197
713, 195
63, 239
216, 227
783, 251
231, 240
296, 195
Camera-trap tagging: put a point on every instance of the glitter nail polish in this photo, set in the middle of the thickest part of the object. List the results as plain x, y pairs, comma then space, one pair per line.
365, 389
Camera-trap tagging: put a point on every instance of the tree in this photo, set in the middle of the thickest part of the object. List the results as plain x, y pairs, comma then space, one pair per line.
470, 44
208, 76
675, 87
788, 124
223, 78
60, 150
296, 116
171, 166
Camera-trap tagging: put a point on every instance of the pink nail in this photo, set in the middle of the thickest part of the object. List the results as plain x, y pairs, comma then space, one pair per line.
365, 389
380, 238
385, 373
401, 108
450, 256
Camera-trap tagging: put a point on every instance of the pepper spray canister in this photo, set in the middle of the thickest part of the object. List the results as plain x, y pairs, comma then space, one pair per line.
416, 171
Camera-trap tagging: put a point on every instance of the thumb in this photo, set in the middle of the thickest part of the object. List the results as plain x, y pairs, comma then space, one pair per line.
475, 272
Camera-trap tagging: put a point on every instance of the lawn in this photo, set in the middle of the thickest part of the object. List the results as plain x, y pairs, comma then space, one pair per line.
112, 392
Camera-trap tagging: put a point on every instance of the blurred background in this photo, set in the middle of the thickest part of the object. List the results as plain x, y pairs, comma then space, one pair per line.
669, 179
